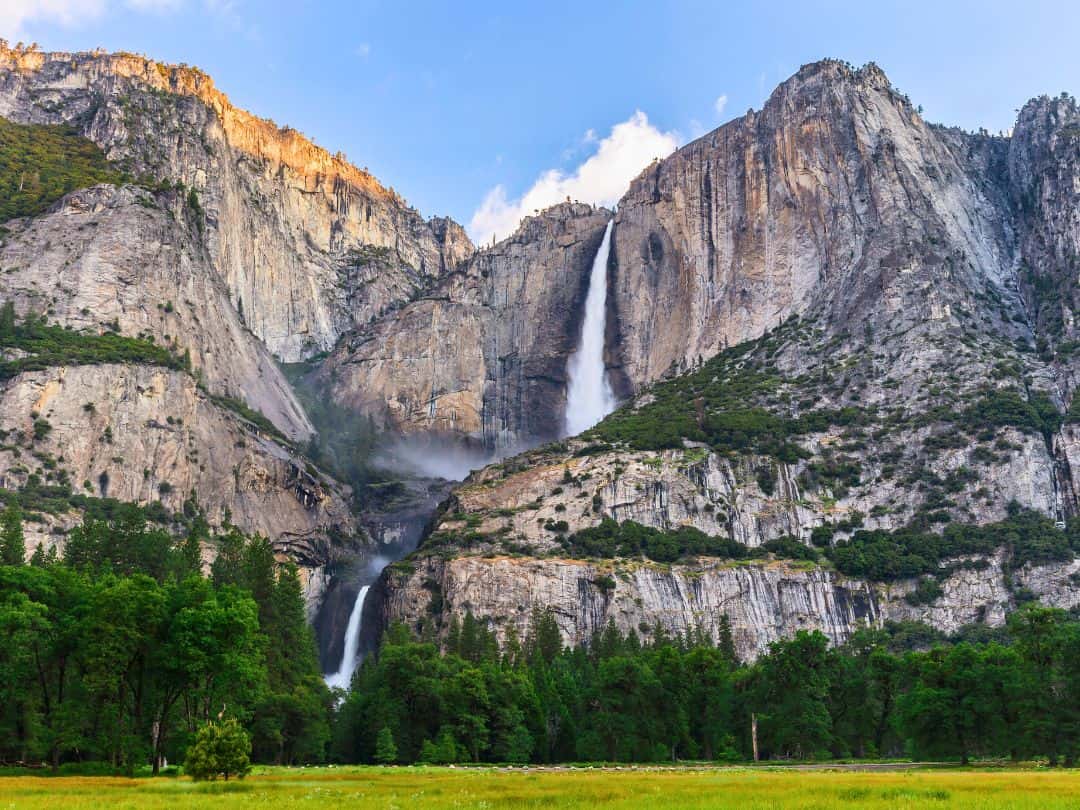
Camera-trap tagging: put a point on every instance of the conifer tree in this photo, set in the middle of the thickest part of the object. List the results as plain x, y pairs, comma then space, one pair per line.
12, 544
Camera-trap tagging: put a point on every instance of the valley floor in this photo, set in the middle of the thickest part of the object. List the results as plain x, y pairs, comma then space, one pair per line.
772, 787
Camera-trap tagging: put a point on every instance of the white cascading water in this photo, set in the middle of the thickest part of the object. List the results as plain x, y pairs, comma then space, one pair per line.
589, 397
343, 677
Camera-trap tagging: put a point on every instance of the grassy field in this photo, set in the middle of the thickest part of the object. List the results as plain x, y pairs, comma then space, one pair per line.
405, 788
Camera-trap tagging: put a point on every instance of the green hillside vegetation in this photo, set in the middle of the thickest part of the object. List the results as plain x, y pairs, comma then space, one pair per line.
879, 555
885, 556
43, 345
629, 539
739, 402
722, 404
40, 164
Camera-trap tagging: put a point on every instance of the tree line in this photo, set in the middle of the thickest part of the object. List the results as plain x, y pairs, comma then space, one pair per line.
121, 650
1013, 695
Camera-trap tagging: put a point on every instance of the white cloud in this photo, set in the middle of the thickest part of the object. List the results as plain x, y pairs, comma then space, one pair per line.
363, 50
14, 14
601, 179
720, 104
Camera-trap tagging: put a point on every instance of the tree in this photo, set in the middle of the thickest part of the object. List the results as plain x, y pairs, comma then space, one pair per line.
7, 321
544, 641
12, 545
792, 696
222, 748
385, 750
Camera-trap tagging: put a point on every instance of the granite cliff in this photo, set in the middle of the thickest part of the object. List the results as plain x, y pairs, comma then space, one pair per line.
234, 243
865, 324
827, 321
481, 355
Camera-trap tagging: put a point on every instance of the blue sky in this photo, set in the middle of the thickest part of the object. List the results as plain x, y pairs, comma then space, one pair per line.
453, 104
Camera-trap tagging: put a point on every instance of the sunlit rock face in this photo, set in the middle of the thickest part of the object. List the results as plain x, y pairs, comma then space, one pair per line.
307, 244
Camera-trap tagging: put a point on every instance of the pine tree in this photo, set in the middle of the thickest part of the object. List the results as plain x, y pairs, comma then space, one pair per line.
12, 544
7, 321
544, 641
726, 643
385, 749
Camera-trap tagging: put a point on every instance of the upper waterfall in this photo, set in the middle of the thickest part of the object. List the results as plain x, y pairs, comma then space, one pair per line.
589, 397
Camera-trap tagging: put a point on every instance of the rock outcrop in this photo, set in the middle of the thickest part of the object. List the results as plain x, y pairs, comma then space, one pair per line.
763, 603
130, 259
482, 355
876, 272
308, 245
145, 434
836, 196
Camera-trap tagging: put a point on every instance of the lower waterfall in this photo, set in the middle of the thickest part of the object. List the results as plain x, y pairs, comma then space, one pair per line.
589, 397
343, 677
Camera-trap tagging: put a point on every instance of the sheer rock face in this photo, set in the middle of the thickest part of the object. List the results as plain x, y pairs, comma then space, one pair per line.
483, 354
144, 434
110, 257
763, 602
927, 266
308, 245
835, 197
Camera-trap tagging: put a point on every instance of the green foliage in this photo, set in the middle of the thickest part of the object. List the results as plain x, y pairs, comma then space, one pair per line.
1006, 407
47, 345
629, 539
385, 749
40, 164
927, 591
885, 556
718, 404
121, 650
619, 698
219, 749
12, 544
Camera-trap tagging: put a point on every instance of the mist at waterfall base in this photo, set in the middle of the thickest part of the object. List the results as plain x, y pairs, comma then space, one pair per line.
350, 655
589, 397
433, 457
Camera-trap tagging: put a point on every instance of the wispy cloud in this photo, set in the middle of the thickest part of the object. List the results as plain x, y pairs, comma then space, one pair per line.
16, 14
156, 6
228, 15
363, 50
720, 105
601, 179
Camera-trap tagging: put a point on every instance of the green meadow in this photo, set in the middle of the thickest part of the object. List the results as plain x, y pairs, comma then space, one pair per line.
388, 788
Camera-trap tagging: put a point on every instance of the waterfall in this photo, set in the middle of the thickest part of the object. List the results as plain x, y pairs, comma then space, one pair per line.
588, 394
343, 677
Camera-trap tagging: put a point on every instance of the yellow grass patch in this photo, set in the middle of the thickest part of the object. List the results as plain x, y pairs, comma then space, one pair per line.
494, 788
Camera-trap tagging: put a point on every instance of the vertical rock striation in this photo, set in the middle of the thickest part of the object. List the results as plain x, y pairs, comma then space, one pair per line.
483, 354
